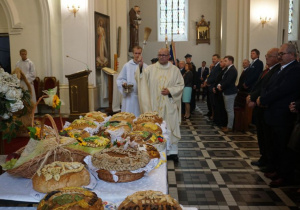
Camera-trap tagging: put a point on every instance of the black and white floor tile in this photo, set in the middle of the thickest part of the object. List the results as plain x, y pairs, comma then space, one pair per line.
214, 170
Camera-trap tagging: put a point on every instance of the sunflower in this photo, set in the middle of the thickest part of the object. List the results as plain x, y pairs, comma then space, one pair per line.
56, 102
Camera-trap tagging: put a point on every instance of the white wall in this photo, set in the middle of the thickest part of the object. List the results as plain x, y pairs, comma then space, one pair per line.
264, 38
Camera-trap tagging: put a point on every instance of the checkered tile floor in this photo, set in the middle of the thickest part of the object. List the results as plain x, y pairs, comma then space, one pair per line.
214, 170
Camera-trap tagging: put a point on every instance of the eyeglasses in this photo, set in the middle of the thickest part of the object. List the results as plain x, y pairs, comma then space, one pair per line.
282, 54
163, 55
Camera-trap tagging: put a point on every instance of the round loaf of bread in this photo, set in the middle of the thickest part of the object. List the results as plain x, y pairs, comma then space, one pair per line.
122, 162
148, 126
149, 200
71, 198
82, 124
123, 116
60, 174
96, 115
149, 117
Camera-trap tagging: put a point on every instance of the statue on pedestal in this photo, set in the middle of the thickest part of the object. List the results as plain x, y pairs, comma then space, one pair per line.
135, 21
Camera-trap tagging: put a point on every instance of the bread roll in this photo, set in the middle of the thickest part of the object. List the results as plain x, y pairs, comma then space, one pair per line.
60, 174
71, 198
148, 200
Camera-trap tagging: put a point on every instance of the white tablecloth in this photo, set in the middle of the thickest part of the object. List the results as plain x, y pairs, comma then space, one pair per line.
20, 189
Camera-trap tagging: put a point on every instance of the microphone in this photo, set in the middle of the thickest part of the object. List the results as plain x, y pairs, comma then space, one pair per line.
78, 61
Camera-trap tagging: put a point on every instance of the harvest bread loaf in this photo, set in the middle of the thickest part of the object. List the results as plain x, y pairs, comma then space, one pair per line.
122, 162
71, 198
148, 200
149, 117
148, 126
123, 116
60, 174
98, 116
82, 123
117, 125
144, 137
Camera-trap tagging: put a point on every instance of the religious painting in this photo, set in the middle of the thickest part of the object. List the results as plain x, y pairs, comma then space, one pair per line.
202, 31
102, 41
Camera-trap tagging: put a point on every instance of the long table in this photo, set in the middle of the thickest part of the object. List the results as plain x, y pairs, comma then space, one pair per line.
20, 189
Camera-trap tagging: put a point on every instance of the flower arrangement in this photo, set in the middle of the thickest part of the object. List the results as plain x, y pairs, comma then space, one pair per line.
35, 133
53, 100
13, 101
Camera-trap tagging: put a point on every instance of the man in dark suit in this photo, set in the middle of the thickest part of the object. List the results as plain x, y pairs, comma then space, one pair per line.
181, 67
227, 85
263, 134
211, 79
220, 115
188, 59
246, 65
282, 89
203, 71
255, 69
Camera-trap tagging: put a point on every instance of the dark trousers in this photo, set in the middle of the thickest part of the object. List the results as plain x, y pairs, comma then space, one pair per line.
283, 157
193, 100
208, 103
258, 113
220, 114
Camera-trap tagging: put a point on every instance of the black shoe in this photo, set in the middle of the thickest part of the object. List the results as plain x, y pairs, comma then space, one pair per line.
173, 157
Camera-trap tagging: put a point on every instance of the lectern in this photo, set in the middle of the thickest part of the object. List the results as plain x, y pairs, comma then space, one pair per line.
78, 93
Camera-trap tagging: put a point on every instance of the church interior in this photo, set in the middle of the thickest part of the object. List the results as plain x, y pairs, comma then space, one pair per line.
62, 39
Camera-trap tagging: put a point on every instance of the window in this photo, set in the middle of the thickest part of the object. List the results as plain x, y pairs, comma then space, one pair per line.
291, 11
172, 20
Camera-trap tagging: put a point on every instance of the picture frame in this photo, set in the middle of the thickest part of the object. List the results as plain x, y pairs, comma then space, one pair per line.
202, 31
102, 41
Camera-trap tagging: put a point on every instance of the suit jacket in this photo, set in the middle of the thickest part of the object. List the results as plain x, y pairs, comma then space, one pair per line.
253, 73
282, 89
182, 71
242, 80
211, 79
262, 82
228, 81
204, 73
219, 79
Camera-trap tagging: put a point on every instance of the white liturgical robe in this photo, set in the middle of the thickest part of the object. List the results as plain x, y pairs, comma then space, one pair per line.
28, 69
150, 84
130, 102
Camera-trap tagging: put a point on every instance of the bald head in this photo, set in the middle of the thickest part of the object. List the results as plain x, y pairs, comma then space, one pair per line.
246, 63
272, 57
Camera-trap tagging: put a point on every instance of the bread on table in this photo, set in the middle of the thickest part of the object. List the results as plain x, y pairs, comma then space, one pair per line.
148, 200
148, 126
96, 115
71, 198
82, 124
60, 174
123, 116
149, 117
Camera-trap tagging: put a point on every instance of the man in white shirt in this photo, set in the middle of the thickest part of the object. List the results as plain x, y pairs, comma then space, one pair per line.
28, 69
130, 102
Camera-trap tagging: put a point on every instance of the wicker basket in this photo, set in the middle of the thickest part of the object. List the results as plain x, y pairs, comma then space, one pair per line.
29, 168
123, 176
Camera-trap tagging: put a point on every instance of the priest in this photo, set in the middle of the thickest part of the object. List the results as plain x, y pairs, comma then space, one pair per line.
160, 88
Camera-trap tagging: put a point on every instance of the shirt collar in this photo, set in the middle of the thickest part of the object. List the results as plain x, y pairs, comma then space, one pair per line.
282, 67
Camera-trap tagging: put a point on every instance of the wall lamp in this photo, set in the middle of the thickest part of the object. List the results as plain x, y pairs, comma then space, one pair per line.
74, 10
264, 20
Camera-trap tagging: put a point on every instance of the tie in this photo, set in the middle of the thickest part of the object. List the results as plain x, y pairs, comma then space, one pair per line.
265, 72
281, 68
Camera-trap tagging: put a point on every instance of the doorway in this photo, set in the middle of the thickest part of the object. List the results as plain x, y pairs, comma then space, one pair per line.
5, 52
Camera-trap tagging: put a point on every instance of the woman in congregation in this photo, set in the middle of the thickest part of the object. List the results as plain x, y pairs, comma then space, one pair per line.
187, 91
